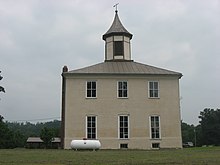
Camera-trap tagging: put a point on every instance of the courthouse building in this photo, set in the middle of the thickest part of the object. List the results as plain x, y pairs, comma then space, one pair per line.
120, 102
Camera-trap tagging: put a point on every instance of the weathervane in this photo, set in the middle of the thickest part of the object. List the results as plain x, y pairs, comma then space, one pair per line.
116, 7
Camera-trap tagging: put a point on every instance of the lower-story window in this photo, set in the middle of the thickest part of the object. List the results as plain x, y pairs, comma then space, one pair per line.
155, 127
91, 127
123, 126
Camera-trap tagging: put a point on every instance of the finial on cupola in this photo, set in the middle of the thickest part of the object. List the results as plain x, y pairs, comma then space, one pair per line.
116, 7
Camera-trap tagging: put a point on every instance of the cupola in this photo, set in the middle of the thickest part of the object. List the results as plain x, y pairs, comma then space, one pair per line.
117, 42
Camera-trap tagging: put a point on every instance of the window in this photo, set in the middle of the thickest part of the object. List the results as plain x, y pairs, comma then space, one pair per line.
91, 127
123, 127
123, 89
118, 48
91, 89
153, 87
155, 127
123, 146
156, 145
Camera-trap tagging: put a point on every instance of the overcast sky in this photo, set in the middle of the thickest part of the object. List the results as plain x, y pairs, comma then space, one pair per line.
39, 37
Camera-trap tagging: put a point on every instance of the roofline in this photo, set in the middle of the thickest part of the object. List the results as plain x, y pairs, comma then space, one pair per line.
119, 60
117, 34
69, 74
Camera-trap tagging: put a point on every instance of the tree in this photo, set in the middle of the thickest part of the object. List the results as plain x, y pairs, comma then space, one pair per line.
8, 138
47, 135
198, 133
4, 134
191, 133
1, 118
1, 88
187, 132
210, 126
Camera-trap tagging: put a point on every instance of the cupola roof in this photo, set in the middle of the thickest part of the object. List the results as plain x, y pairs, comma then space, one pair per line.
117, 28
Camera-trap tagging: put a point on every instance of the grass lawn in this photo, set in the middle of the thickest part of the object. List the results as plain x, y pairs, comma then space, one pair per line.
195, 156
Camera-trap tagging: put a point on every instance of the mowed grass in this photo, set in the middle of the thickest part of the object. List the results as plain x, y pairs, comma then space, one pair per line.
200, 156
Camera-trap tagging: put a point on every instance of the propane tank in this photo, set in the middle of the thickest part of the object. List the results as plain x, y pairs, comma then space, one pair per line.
85, 144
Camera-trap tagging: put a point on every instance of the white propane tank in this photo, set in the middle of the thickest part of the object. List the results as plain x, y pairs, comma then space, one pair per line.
85, 144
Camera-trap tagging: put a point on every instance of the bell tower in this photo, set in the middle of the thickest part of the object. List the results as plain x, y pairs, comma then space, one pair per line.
117, 42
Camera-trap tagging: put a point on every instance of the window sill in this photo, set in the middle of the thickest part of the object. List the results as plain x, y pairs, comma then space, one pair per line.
91, 97
153, 97
159, 139
122, 97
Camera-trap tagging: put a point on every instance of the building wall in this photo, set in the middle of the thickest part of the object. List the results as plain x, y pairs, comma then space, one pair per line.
107, 107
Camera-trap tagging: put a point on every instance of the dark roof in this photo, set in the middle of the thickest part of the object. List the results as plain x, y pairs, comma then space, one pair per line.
38, 140
123, 68
117, 28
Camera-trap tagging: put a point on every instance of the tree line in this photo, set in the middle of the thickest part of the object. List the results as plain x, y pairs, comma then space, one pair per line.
14, 134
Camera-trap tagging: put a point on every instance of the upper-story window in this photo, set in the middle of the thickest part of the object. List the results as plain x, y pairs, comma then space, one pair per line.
118, 48
153, 87
91, 89
122, 89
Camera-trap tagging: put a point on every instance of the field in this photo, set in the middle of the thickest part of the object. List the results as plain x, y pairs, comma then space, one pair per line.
193, 156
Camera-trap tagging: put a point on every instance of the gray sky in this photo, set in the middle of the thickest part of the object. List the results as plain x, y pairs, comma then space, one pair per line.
37, 38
